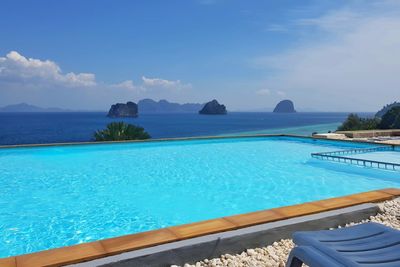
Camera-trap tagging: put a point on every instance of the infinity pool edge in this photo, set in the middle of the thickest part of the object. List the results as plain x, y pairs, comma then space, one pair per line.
190, 139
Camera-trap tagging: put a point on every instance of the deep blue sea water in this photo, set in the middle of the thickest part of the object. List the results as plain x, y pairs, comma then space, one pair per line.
31, 128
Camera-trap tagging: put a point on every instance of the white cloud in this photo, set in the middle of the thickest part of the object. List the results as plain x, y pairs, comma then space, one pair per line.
280, 93
157, 82
263, 92
128, 84
351, 63
339, 20
15, 67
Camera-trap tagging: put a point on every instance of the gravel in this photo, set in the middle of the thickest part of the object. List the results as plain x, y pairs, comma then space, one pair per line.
277, 253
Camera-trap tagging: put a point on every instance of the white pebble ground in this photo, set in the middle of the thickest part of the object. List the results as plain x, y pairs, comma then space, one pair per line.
277, 253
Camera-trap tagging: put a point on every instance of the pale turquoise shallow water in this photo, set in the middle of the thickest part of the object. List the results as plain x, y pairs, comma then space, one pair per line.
64, 195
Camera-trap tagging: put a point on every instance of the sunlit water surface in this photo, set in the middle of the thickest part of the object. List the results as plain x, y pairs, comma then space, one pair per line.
64, 195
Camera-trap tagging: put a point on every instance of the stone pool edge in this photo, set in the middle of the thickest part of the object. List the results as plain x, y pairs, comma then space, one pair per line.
117, 245
194, 138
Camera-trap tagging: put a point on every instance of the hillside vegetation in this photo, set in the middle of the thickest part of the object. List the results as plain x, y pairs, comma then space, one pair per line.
389, 120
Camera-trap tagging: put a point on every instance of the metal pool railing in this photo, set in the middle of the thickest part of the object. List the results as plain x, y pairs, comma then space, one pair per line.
336, 156
358, 150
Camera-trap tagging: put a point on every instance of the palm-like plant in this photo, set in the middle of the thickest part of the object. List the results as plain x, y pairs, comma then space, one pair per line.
119, 131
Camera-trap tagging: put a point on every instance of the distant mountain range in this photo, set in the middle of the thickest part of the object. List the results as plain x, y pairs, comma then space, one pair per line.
24, 107
147, 106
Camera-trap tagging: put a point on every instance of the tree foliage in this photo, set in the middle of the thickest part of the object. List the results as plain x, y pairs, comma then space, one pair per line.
386, 108
355, 123
391, 119
119, 131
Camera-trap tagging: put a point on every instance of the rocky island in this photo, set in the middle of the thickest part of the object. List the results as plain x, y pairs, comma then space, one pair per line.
129, 109
213, 108
285, 106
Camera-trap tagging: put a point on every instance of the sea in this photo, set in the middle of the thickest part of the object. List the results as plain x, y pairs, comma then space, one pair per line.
39, 128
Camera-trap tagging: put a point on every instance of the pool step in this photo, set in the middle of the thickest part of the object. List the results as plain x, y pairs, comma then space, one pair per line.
337, 157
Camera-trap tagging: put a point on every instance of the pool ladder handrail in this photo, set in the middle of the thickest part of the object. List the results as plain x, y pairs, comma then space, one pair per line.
332, 156
358, 150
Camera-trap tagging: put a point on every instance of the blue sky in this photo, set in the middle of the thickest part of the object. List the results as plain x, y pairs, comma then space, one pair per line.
324, 55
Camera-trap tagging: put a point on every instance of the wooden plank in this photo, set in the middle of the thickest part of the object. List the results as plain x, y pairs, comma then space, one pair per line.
62, 256
8, 262
298, 210
372, 196
336, 203
393, 191
202, 228
137, 241
254, 218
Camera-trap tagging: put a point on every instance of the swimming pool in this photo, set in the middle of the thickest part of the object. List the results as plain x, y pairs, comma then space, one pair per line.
62, 195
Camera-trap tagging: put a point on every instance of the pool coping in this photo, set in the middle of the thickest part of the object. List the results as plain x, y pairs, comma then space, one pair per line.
194, 138
117, 245
233, 242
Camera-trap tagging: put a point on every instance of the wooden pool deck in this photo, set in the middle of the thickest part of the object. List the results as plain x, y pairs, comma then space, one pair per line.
113, 246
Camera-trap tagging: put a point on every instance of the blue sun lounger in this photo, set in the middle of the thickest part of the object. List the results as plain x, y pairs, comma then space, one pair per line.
364, 245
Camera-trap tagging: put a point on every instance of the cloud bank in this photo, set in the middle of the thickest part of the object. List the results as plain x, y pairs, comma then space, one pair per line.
157, 82
16, 68
42, 82
349, 62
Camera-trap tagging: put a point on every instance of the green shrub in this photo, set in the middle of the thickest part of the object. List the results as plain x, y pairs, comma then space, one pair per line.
119, 131
355, 123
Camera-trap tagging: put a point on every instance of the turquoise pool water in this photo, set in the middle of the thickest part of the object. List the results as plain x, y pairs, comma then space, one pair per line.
64, 195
